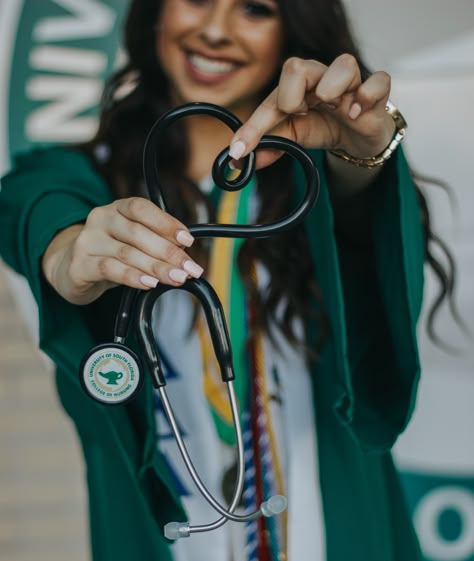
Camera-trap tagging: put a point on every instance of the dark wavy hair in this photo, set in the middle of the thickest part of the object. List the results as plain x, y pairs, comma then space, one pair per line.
138, 94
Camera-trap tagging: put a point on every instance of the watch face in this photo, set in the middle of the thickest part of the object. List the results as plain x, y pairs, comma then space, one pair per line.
110, 374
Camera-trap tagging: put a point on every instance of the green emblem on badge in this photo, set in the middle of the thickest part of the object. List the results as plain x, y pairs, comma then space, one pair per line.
111, 377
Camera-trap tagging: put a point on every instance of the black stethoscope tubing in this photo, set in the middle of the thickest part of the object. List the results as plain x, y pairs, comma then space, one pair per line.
152, 183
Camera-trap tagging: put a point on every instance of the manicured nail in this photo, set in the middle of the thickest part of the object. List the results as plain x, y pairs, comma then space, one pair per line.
177, 275
237, 150
146, 280
185, 238
355, 111
193, 268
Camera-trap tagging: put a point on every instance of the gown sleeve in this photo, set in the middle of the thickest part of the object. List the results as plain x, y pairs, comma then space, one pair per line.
46, 190
372, 296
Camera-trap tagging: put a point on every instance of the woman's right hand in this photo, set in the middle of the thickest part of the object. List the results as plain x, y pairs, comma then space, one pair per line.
130, 242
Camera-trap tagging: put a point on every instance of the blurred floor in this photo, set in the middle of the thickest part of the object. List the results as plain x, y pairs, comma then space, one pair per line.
42, 505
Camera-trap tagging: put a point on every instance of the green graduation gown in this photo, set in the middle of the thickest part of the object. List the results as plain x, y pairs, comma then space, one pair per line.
364, 383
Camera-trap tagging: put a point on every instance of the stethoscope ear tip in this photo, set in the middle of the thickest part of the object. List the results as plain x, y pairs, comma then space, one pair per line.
176, 530
274, 505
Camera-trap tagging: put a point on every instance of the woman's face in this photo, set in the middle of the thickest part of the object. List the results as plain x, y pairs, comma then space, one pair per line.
220, 51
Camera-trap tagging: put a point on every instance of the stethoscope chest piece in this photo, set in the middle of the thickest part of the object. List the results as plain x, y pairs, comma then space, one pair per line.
111, 374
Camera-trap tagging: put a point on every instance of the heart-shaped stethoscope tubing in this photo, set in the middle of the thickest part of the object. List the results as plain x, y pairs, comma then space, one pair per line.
205, 294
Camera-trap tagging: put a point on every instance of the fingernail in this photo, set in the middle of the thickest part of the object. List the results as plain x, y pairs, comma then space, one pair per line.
177, 275
237, 150
146, 280
193, 268
355, 111
185, 238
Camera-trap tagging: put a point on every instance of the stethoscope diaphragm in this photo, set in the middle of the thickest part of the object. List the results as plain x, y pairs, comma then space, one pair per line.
111, 374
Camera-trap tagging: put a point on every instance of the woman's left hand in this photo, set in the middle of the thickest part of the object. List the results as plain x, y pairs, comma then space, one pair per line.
321, 106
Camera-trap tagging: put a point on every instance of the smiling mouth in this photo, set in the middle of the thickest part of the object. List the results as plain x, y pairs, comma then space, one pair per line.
211, 66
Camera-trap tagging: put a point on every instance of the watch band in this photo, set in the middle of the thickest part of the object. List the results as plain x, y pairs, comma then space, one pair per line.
379, 159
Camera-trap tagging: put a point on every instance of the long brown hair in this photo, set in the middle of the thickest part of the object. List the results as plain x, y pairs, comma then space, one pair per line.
137, 95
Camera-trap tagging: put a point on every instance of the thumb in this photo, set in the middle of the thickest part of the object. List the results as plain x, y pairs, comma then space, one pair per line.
267, 158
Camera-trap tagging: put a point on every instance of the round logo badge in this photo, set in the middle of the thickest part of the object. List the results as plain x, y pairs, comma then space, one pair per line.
111, 374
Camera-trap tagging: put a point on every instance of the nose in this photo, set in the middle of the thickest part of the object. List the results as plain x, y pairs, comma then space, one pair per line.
216, 26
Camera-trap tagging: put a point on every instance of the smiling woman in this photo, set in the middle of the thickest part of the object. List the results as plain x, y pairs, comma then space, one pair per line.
224, 53
322, 318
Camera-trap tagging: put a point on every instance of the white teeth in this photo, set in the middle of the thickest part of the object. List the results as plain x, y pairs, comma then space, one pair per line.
211, 66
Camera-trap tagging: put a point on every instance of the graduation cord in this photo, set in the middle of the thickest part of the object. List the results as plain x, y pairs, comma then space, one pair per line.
271, 543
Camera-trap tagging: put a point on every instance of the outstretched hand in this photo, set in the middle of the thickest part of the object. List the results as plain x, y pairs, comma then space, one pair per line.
321, 106
130, 241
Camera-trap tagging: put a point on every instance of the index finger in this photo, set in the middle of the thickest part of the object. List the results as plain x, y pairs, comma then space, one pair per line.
264, 118
289, 99
147, 213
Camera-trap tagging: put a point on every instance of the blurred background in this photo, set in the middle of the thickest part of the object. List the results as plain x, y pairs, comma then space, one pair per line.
54, 55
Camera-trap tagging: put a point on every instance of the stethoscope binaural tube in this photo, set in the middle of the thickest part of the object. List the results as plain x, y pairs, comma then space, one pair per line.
203, 291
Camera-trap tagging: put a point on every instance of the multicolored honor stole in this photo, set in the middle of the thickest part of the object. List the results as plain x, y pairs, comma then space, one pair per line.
266, 538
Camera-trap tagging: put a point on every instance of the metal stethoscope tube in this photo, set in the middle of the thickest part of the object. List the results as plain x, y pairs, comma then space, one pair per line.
215, 318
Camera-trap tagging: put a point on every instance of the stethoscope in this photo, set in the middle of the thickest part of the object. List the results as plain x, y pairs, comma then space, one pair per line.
111, 373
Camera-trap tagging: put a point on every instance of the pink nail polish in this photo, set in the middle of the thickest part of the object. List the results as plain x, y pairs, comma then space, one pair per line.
237, 150
355, 111
185, 238
148, 281
178, 275
193, 268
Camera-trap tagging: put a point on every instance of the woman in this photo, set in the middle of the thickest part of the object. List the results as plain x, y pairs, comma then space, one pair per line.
329, 307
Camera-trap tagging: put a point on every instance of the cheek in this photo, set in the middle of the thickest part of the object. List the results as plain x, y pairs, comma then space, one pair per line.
168, 29
177, 16
267, 45
269, 53
174, 23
